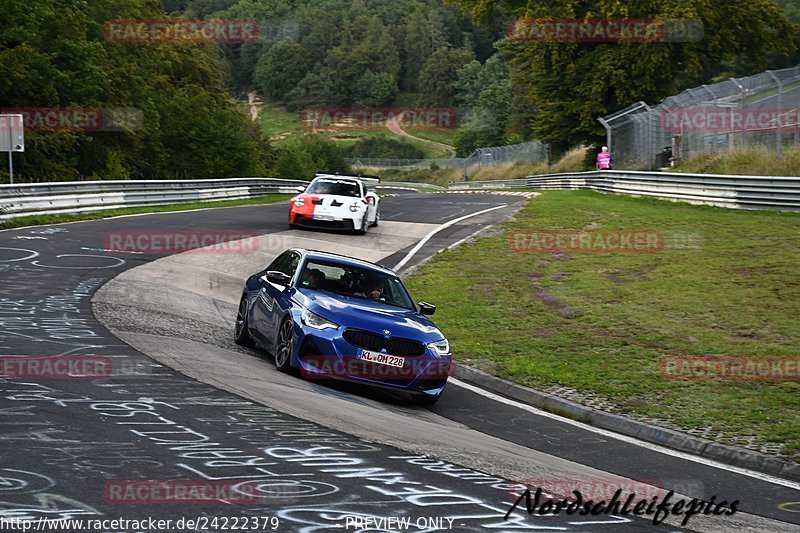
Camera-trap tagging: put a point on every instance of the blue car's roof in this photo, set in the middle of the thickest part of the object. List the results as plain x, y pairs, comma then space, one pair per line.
344, 259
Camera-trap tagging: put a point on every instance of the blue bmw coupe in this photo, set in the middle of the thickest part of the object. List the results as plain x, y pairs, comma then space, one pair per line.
329, 316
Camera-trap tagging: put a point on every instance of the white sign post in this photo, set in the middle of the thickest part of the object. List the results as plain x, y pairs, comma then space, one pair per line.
12, 139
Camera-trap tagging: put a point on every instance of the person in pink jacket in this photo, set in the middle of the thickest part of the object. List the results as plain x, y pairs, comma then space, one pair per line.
604, 159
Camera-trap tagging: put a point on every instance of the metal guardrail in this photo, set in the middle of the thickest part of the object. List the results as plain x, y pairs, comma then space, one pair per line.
738, 192
410, 185
80, 196
63, 187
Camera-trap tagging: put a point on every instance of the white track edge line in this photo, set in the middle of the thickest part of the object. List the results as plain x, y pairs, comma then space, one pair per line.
446, 225
630, 440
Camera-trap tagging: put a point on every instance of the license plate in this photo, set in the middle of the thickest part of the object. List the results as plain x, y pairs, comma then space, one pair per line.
323, 217
382, 358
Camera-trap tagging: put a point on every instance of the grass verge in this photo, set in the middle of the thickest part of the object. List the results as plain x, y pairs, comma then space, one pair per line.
595, 326
761, 162
38, 220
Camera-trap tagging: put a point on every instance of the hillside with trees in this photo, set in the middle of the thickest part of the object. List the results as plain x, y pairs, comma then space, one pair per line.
53, 55
459, 54
351, 54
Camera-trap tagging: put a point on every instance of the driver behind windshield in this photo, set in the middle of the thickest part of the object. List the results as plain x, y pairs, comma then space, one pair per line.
312, 278
372, 288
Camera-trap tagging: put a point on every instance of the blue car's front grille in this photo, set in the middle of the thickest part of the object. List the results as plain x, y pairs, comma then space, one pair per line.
367, 340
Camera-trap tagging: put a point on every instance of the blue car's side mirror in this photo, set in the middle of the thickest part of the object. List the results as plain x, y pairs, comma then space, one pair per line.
278, 278
426, 308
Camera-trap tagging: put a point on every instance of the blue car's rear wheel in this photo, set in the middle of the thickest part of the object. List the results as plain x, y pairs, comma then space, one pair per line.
241, 335
283, 350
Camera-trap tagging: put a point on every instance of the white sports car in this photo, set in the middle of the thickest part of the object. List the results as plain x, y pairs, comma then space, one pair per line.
335, 202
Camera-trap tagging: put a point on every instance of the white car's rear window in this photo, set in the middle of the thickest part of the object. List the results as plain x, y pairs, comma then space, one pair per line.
335, 187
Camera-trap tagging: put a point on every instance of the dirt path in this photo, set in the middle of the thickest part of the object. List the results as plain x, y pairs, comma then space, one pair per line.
393, 126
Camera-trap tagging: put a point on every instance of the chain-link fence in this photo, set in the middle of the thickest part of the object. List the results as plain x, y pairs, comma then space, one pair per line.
761, 111
533, 152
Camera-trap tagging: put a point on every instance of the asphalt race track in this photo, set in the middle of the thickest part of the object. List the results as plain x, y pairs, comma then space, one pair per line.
290, 455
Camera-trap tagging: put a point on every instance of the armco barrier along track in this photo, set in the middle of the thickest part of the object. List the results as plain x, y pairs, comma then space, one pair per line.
740, 192
79, 196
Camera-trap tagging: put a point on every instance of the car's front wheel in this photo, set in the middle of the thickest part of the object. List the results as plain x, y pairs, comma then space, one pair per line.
241, 335
283, 350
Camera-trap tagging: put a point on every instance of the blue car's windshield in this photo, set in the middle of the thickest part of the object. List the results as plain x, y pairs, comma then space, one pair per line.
360, 282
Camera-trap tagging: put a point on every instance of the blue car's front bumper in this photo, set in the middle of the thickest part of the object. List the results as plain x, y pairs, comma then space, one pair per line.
325, 354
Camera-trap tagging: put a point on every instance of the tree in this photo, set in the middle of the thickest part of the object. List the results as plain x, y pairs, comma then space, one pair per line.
301, 157
573, 83
319, 29
375, 89
365, 47
316, 89
485, 95
417, 47
439, 77
56, 56
281, 68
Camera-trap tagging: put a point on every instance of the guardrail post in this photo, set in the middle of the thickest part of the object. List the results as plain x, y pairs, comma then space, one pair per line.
650, 154
10, 162
715, 145
607, 126
778, 129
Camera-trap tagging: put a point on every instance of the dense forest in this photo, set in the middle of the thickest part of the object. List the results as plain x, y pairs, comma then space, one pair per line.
54, 54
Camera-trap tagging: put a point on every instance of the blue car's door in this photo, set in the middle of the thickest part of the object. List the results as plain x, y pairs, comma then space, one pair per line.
272, 298
263, 309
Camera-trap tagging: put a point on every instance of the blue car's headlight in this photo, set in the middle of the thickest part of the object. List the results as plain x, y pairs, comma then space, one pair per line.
315, 321
440, 348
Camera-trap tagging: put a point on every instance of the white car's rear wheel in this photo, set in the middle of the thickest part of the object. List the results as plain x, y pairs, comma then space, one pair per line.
364, 225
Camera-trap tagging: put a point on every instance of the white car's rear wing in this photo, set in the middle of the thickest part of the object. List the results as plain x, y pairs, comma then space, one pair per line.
369, 181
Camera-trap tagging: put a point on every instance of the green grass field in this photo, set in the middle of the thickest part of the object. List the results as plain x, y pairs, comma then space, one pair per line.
439, 135
279, 124
725, 283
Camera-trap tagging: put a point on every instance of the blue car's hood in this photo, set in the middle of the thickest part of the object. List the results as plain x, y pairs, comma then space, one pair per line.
353, 312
